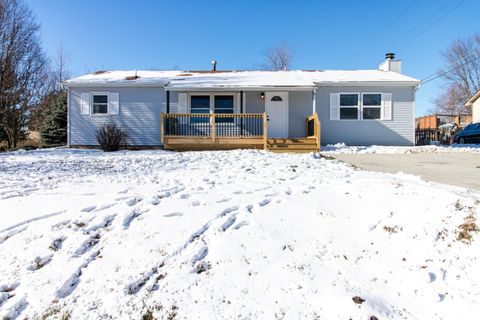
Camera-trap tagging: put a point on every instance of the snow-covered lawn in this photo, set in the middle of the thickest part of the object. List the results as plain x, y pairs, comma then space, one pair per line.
230, 235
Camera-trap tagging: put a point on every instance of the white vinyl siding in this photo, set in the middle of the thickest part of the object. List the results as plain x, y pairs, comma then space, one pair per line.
397, 126
139, 114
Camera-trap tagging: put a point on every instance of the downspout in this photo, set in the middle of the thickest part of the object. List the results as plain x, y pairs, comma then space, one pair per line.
68, 115
314, 101
166, 124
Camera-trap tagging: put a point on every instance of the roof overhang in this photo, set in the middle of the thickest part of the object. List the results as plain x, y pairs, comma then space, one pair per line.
473, 99
368, 83
239, 88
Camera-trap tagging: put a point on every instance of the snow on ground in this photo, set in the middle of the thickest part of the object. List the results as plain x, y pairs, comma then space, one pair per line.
341, 148
229, 235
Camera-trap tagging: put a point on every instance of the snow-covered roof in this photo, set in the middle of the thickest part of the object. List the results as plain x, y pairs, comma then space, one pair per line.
239, 79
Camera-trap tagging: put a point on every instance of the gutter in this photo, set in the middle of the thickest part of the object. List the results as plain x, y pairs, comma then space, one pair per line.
368, 83
113, 85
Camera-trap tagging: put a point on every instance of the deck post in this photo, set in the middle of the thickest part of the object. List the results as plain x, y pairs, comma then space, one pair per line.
265, 131
162, 129
212, 123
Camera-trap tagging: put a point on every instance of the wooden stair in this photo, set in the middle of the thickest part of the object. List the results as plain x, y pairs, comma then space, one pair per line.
300, 145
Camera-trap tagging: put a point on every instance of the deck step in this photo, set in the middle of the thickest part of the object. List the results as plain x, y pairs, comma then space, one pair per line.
292, 150
300, 145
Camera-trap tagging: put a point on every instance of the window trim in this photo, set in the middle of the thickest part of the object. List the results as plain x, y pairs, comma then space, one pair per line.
360, 106
348, 107
380, 106
96, 114
199, 94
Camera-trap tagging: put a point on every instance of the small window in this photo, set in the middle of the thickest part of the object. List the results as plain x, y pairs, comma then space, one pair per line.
372, 106
100, 104
276, 98
348, 106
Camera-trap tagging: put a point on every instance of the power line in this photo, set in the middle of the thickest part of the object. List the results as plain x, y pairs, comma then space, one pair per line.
434, 23
381, 32
425, 21
438, 75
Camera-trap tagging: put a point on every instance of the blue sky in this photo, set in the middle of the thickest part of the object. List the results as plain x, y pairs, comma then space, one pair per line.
322, 35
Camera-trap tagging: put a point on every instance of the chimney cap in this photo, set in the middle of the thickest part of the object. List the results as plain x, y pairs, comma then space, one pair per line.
214, 65
390, 55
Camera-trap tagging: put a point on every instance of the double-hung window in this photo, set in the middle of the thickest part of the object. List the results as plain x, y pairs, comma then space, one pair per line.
349, 105
224, 104
371, 106
99, 103
200, 104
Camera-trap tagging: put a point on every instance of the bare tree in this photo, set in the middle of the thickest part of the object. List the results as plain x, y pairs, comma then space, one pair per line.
22, 69
60, 70
461, 75
278, 58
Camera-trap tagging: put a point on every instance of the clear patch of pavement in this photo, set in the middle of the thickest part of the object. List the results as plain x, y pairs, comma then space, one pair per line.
458, 169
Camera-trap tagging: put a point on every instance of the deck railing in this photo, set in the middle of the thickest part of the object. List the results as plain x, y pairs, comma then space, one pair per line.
244, 125
313, 128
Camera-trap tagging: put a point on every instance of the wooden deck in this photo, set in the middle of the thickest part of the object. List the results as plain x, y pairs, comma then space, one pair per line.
184, 132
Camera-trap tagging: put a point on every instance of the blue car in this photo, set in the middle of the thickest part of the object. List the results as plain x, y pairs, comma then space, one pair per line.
469, 134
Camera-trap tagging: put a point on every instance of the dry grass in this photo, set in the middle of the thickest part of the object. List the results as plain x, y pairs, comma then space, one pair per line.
393, 229
466, 229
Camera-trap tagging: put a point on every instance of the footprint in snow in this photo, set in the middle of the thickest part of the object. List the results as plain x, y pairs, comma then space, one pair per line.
264, 202
184, 196
57, 244
224, 200
201, 254
40, 262
7, 291
88, 209
229, 210
228, 223
173, 214
132, 215
88, 244
240, 224
134, 201
195, 203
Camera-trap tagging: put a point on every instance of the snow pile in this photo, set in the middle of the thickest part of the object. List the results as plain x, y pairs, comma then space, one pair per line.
342, 148
230, 235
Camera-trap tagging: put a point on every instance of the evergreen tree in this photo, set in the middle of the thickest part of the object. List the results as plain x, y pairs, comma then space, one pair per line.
53, 131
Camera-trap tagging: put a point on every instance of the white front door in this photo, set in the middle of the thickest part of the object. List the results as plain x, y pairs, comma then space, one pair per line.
276, 107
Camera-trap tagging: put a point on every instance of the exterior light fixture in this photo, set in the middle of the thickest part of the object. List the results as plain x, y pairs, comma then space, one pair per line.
262, 95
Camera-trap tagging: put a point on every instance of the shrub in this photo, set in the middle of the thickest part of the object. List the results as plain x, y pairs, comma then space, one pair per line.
111, 137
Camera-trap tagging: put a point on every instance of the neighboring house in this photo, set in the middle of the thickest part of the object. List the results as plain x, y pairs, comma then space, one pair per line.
228, 109
474, 103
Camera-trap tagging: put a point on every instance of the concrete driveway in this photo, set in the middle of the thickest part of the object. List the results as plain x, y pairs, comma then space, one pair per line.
458, 169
